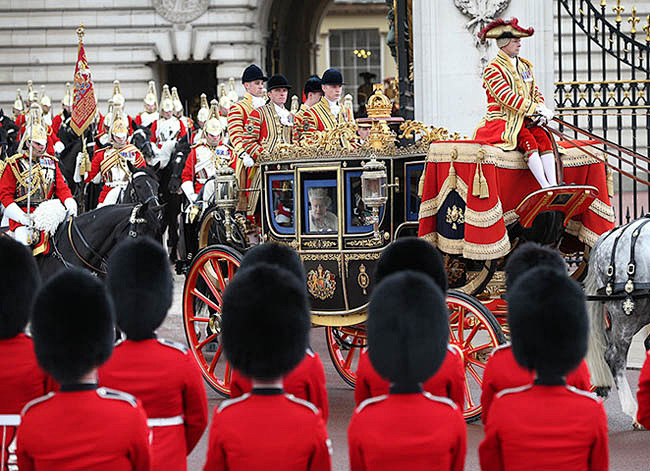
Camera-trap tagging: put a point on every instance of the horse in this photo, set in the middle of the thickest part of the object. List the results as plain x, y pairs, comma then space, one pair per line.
8, 136
618, 293
86, 241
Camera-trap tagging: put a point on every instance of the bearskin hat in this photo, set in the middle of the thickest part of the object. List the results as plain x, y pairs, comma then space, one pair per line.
18, 290
548, 321
72, 325
412, 253
407, 327
532, 255
265, 321
140, 281
275, 254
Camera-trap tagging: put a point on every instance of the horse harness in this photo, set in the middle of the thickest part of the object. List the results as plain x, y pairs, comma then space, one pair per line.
628, 290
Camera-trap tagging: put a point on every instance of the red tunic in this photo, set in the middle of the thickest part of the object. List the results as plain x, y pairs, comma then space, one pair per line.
503, 372
56, 123
22, 380
96, 168
407, 431
264, 131
167, 381
189, 170
96, 429
306, 381
557, 428
643, 396
449, 380
268, 430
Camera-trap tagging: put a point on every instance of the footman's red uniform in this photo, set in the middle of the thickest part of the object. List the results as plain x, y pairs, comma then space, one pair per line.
167, 381
643, 396
306, 381
407, 431
557, 428
84, 428
267, 429
22, 380
503, 372
449, 380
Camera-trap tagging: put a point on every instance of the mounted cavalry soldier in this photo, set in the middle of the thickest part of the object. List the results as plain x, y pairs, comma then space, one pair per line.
168, 127
110, 164
26, 183
150, 114
66, 110
19, 106
178, 111
201, 117
515, 105
115, 104
253, 79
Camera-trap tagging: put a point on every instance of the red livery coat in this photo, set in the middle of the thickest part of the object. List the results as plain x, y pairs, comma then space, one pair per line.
417, 432
643, 395
267, 429
306, 381
167, 381
320, 118
98, 429
21, 378
503, 372
264, 131
449, 380
545, 427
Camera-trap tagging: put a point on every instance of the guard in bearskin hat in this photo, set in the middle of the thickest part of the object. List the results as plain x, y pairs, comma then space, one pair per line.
21, 378
407, 340
312, 92
159, 372
259, 300
502, 371
307, 380
73, 328
549, 325
411, 253
515, 105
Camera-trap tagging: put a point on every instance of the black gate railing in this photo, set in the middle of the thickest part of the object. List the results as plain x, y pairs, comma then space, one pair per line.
603, 85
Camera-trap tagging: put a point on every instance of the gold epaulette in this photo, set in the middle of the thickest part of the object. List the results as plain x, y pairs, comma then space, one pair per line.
3, 164
527, 62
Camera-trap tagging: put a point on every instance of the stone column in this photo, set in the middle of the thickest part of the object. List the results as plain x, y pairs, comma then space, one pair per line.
448, 83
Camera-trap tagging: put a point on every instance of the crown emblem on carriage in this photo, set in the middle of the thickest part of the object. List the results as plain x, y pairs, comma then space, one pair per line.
379, 106
321, 283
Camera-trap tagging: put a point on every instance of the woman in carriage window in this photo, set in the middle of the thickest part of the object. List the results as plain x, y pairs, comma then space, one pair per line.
321, 219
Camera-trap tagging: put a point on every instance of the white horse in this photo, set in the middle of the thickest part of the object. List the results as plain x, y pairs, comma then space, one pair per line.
623, 308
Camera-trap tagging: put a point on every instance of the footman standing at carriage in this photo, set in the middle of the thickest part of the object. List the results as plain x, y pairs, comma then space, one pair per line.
82, 426
546, 425
266, 428
515, 105
41, 179
253, 79
410, 253
150, 114
408, 428
502, 370
312, 94
110, 165
307, 380
160, 373
21, 378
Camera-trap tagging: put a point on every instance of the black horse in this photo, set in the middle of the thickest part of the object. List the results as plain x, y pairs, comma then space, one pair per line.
8, 136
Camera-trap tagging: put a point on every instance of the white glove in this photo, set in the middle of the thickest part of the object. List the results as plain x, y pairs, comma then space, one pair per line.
542, 110
188, 189
104, 138
59, 147
248, 161
15, 212
71, 205
77, 176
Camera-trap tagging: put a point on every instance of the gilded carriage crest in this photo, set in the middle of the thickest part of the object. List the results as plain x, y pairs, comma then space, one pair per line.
455, 216
321, 283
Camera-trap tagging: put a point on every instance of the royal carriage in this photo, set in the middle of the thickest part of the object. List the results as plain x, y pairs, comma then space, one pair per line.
474, 202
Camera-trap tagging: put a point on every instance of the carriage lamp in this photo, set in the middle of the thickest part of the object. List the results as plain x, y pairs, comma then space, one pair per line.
374, 191
226, 194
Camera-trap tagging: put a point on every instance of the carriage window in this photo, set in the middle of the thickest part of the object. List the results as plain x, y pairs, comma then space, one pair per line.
357, 216
281, 203
413, 173
320, 203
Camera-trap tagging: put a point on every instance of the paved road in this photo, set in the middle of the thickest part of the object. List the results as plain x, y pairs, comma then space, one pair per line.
629, 449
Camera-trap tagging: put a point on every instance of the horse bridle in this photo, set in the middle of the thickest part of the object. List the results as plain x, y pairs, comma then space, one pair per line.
153, 197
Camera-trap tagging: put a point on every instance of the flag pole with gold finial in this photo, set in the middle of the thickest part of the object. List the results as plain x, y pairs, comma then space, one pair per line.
85, 165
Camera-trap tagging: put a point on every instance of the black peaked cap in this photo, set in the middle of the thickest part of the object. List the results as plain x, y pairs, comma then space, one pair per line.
277, 81
332, 77
252, 73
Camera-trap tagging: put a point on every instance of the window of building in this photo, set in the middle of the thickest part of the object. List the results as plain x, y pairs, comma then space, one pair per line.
354, 51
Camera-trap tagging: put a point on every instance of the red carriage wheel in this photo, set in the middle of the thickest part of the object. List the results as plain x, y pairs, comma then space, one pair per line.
344, 345
476, 332
210, 273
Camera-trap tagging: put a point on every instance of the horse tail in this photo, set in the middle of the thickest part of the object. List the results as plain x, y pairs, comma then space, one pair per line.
601, 375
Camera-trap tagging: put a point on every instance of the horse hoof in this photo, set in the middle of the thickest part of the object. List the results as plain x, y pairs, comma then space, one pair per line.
602, 391
637, 426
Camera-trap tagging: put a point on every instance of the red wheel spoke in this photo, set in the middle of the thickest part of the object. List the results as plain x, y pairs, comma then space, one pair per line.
470, 337
350, 355
206, 341
452, 337
210, 282
231, 271
199, 319
215, 360
217, 269
206, 300
453, 315
461, 325
227, 375
475, 362
474, 374
468, 396
473, 350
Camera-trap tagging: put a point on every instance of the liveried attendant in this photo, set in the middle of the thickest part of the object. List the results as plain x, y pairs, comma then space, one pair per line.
515, 105
160, 373
312, 94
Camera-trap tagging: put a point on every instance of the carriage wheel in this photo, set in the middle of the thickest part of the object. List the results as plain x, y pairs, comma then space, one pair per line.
476, 332
206, 281
212, 231
344, 345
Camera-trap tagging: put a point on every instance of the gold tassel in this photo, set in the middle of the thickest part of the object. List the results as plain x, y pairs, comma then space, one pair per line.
610, 182
485, 191
85, 165
452, 169
480, 186
476, 184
